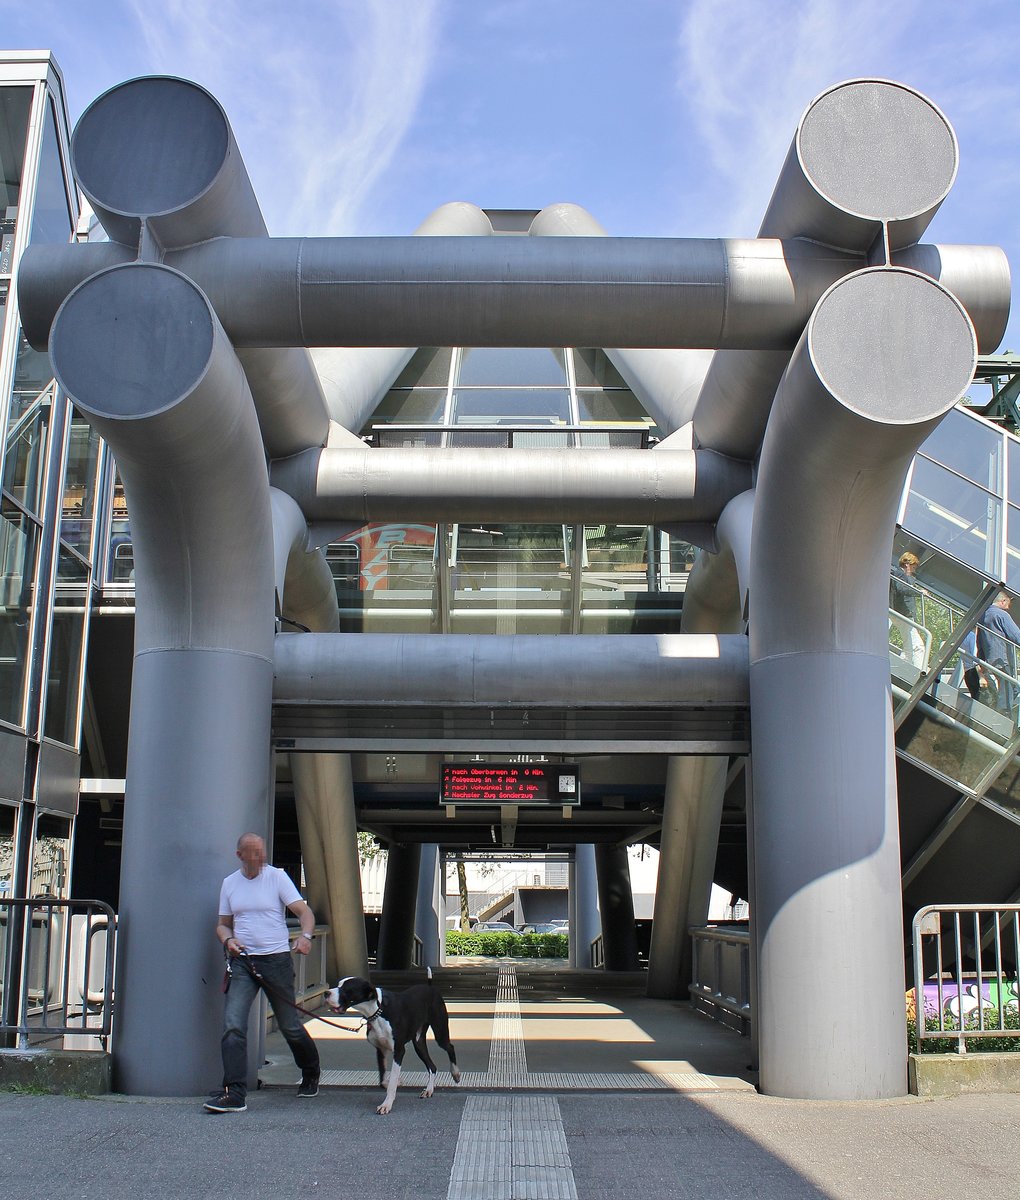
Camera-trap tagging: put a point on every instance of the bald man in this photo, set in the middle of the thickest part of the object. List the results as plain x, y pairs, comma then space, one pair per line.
253, 902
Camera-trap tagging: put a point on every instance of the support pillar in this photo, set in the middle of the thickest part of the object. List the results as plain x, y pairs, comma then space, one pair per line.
400, 896
886, 353
616, 903
429, 920
583, 912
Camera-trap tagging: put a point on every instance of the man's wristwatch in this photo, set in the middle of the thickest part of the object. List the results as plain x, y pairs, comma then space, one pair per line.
307, 936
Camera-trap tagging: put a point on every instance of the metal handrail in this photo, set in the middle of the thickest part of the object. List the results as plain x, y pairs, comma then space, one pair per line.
49, 943
597, 953
721, 974
972, 1003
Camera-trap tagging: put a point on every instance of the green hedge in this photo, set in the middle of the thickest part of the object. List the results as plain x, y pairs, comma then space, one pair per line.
508, 945
948, 1045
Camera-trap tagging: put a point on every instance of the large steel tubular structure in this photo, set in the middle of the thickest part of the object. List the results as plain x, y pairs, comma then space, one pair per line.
840, 343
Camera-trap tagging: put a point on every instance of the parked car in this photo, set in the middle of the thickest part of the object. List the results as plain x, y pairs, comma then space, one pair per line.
544, 927
493, 927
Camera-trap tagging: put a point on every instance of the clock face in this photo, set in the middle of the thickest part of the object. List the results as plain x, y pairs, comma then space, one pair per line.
568, 784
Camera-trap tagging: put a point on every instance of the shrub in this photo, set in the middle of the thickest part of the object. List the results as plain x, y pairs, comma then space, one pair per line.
948, 1045
507, 945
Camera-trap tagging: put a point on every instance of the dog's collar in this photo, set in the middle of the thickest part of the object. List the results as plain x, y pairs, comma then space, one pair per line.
378, 1007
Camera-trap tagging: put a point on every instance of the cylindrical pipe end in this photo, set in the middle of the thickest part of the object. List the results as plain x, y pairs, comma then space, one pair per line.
153, 323
161, 149
866, 152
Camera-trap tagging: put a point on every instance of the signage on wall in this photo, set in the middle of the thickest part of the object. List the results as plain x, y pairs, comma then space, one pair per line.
538, 784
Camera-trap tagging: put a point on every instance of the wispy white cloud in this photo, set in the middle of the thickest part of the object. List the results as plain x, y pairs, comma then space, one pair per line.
748, 70
320, 100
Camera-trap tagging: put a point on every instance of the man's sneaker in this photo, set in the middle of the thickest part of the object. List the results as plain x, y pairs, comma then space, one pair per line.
226, 1102
308, 1088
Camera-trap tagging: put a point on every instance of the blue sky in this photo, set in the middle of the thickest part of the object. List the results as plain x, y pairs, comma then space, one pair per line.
662, 117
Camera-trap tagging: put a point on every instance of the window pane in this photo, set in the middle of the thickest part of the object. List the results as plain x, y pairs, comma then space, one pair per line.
121, 563
429, 367
15, 104
18, 550
511, 407
51, 219
27, 435
961, 519
8, 829
66, 634
423, 406
1013, 450
593, 369
51, 858
506, 366
969, 447
78, 510
610, 406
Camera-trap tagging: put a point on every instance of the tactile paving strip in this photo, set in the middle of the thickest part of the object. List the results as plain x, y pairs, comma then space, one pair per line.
511, 1148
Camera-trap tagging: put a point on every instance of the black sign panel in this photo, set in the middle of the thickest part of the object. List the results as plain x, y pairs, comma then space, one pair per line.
538, 784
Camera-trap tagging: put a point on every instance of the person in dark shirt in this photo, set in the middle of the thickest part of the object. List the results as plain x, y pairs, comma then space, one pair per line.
997, 638
903, 601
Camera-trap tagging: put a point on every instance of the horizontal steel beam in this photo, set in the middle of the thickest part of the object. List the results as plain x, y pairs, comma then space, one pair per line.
570, 486
521, 670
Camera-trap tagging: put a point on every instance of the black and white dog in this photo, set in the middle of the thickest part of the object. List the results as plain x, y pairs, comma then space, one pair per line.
394, 1019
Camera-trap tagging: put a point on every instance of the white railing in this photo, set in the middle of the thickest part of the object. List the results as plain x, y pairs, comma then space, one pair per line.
969, 988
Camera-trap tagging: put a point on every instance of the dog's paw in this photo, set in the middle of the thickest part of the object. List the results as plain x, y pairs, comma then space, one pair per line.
455, 1073
426, 1094
383, 1109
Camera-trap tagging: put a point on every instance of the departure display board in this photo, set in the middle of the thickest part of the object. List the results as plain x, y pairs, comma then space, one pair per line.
537, 784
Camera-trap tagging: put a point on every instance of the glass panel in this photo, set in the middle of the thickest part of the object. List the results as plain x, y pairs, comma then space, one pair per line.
593, 369
19, 536
78, 511
8, 830
385, 577
15, 105
66, 637
120, 567
610, 406
958, 517
51, 857
511, 407
429, 367
423, 406
511, 579
968, 446
507, 366
958, 727
27, 437
1013, 452
51, 218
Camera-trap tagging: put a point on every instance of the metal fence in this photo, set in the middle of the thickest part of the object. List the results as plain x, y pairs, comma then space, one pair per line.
56, 972
965, 971
721, 975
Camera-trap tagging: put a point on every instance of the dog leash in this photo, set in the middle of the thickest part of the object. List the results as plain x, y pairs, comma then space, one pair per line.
260, 979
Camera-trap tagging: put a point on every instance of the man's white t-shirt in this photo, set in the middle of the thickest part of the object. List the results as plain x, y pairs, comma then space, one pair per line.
257, 906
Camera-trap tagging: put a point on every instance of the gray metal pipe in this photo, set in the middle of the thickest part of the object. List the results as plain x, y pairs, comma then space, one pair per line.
323, 785
696, 784
440, 291
157, 159
870, 160
144, 358
666, 382
508, 485
887, 353
510, 670
354, 379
